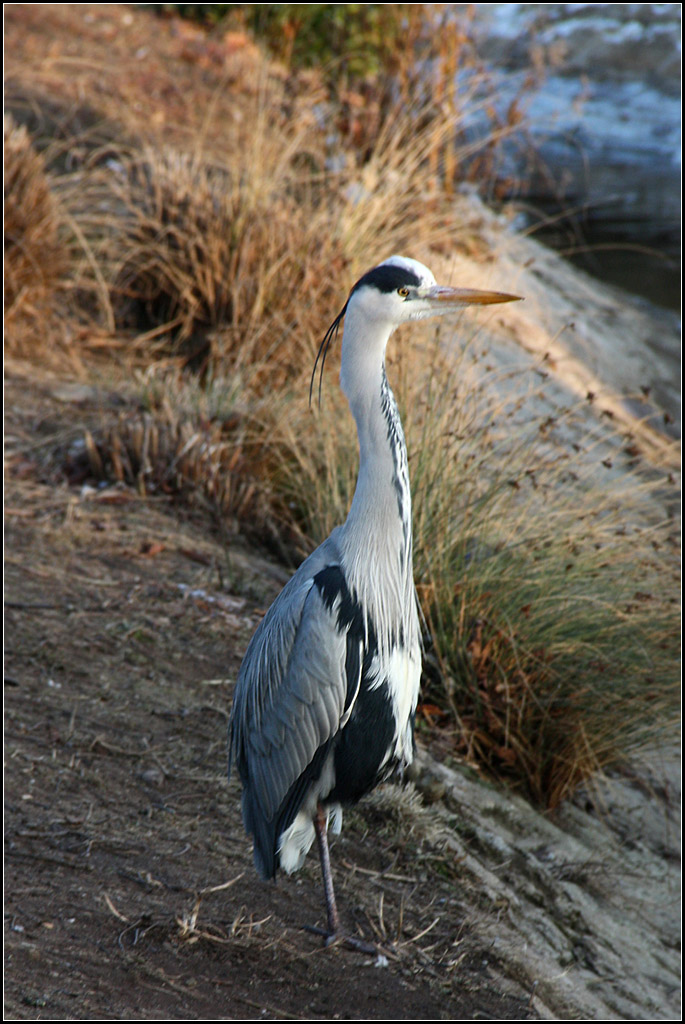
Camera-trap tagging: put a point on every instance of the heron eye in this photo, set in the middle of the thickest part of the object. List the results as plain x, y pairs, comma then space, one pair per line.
403, 292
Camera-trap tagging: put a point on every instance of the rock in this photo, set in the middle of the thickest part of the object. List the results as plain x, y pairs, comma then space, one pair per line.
584, 904
619, 353
604, 120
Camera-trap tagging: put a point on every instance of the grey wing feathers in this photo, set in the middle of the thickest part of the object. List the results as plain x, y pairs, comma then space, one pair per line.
291, 690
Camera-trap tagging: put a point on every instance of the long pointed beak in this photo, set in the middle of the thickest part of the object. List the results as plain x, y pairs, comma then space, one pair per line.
443, 298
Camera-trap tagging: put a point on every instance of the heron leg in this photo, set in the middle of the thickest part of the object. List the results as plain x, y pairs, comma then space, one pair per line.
321, 827
333, 934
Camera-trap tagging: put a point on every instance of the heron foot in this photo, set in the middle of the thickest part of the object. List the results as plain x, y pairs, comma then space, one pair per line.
350, 941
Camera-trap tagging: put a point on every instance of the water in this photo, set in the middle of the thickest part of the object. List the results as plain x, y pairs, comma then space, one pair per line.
602, 113
649, 268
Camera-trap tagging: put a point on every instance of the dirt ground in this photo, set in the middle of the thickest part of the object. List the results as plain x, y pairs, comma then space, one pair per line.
129, 886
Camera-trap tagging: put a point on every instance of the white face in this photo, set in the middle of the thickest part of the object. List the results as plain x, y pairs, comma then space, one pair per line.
395, 303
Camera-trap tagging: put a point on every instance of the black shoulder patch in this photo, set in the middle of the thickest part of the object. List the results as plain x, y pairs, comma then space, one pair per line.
332, 584
388, 278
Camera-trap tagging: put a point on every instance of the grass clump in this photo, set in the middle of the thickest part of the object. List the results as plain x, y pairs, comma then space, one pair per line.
36, 258
210, 255
556, 634
178, 256
549, 584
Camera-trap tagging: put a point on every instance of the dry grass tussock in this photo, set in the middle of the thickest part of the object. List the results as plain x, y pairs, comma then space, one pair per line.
549, 592
36, 257
205, 270
228, 254
551, 558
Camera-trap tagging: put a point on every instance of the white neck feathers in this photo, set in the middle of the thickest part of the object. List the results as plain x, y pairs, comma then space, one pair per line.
376, 538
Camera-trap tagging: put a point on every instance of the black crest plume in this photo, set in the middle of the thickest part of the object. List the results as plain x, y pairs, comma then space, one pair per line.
330, 335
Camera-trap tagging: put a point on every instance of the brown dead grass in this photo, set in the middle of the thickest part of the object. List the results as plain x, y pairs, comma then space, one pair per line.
36, 258
204, 268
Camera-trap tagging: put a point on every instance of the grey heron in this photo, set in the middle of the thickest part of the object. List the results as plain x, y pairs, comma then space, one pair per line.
326, 695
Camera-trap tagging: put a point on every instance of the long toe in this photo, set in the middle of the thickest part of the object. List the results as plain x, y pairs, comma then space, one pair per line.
342, 939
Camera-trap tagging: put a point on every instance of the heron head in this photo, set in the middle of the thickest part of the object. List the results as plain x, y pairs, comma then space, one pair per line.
402, 289
396, 291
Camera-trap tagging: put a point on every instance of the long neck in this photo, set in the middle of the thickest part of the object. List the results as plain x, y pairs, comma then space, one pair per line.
377, 537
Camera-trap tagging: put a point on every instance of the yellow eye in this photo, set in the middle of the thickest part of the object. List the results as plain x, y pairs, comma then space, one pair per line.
403, 292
